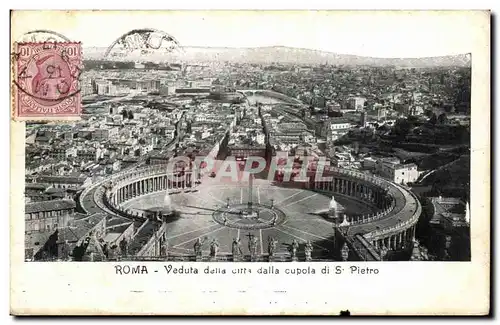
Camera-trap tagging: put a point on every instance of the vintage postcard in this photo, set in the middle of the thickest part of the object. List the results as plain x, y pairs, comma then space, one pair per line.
250, 162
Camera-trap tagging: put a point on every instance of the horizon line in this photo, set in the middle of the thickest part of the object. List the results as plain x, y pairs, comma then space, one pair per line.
311, 49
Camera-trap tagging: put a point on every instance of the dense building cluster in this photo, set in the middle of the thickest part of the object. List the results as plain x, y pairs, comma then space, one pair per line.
406, 125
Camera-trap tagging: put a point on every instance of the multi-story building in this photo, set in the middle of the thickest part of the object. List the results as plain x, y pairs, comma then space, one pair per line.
104, 133
333, 129
48, 215
356, 103
241, 151
64, 181
42, 219
396, 172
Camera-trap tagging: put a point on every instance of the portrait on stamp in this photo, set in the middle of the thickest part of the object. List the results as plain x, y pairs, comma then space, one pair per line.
47, 78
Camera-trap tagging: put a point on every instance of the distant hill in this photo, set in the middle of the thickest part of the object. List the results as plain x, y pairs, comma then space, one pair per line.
283, 54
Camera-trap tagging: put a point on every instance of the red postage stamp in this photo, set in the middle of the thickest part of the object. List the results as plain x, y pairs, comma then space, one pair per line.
46, 80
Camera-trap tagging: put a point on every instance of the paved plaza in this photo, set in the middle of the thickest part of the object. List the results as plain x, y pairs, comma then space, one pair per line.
302, 216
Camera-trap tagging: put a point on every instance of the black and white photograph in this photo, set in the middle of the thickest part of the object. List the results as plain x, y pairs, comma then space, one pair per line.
243, 136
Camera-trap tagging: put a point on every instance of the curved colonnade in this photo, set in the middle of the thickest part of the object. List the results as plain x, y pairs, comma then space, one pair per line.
144, 181
393, 226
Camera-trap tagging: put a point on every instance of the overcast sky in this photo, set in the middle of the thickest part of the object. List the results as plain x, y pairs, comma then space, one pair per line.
379, 34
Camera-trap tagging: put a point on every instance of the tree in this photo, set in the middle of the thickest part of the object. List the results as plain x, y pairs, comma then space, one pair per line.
442, 118
402, 127
433, 119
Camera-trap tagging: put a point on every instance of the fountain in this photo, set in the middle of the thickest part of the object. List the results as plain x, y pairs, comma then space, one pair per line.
167, 204
332, 208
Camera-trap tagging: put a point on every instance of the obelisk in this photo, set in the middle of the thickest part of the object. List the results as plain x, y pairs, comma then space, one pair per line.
250, 185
